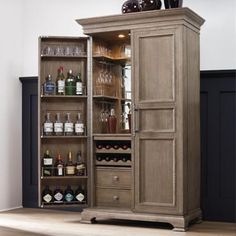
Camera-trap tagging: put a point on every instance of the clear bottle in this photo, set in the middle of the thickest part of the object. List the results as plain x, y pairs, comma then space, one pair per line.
47, 164
68, 126
47, 196
69, 194
60, 82
59, 166
70, 83
58, 126
79, 126
70, 167
49, 86
80, 165
79, 84
58, 195
80, 194
48, 126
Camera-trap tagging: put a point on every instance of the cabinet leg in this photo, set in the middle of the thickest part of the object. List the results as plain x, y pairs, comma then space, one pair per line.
87, 219
180, 229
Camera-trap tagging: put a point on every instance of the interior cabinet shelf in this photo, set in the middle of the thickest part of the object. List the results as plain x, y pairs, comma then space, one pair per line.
63, 137
103, 98
63, 96
63, 205
115, 60
63, 177
113, 163
120, 137
51, 57
114, 151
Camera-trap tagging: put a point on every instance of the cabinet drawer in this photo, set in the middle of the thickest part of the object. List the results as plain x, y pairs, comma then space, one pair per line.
113, 177
113, 197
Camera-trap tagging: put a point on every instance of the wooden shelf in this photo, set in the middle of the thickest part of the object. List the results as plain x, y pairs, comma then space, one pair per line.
64, 96
63, 205
114, 151
116, 60
63, 177
63, 137
63, 57
110, 137
103, 97
113, 163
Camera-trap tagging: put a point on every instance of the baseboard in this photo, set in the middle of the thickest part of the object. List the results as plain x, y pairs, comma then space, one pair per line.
12, 208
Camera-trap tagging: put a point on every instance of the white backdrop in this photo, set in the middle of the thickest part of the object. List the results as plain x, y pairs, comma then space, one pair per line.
22, 21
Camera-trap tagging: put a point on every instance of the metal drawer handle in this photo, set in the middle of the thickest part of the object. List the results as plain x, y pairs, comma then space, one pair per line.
116, 178
115, 198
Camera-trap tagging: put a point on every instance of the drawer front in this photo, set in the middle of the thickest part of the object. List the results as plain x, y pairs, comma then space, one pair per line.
113, 177
106, 197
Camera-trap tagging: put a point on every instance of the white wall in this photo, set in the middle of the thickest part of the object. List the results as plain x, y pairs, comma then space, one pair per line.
10, 103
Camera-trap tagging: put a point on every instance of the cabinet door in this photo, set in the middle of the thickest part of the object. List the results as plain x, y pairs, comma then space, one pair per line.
156, 61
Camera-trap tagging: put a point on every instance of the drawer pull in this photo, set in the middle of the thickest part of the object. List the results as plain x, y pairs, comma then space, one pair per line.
115, 198
116, 178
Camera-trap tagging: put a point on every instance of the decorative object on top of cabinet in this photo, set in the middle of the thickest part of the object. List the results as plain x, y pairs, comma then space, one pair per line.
130, 6
148, 5
173, 3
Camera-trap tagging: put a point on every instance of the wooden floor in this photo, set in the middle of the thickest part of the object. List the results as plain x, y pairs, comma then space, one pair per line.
40, 222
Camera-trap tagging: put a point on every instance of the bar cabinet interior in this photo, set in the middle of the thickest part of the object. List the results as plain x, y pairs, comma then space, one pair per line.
144, 68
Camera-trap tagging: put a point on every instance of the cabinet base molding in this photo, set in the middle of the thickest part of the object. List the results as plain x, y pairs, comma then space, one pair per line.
179, 223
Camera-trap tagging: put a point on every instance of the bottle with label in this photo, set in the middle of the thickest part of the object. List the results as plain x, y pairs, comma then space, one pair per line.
59, 166
79, 126
70, 83
47, 196
58, 126
58, 195
60, 82
49, 86
70, 167
111, 121
68, 126
80, 165
47, 164
79, 84
80, 195
69, 194
48, 126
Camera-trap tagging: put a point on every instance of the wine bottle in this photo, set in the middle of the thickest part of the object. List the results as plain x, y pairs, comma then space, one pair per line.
115, 146
70, 167
68, 194
80, 194
47, 195
99, 146
59, 166
79, 125
49, 86
99, 158
58, 195
80, 165
115, 158
70, 83
47, 164
48, 126
79, 84
68, 126
107, 158
58, 126
60, 82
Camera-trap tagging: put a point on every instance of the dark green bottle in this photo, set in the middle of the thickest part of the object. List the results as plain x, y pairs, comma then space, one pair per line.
70, 83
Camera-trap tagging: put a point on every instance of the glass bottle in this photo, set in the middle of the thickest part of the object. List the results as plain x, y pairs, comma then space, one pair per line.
70, 83
60, 82
112, 122
47, 164
68, 194
130, 6
80, 194
47, 195
68, 126
79, 126
70, 167
49, 86
80, 165
79, 84
58, 195
48, 126
59, 166
147, 5
58, 126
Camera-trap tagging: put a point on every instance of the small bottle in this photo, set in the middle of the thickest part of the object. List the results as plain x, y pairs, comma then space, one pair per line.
58, 195
47, 195
68, 194
70, 167
58, 126
79, 84
59, 166
48, 126
47, 164
70, 83
79, 126
68, 126
60, 82
112, 122
49, 86
80, 165
80, 194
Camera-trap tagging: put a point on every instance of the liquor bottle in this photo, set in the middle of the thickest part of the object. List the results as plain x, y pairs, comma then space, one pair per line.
47, 164
58, 195
79, 84
60, 82
70, 167
49, 86
79, 126
59, 166
70, 83
68, 194
48, 126
111, 121
80, 165
47, 195
58, 126
68, 126
80, 194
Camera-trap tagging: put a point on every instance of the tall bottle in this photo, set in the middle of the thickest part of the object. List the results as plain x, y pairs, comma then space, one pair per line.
79, 126
58, 126
79, 84
49, 86
68, 126
70, 167
70, 83
112, 122
48, 126
47, 164
47, 196
59, 166
80, 194
68, 194
58, 195
80, 165
60, 82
